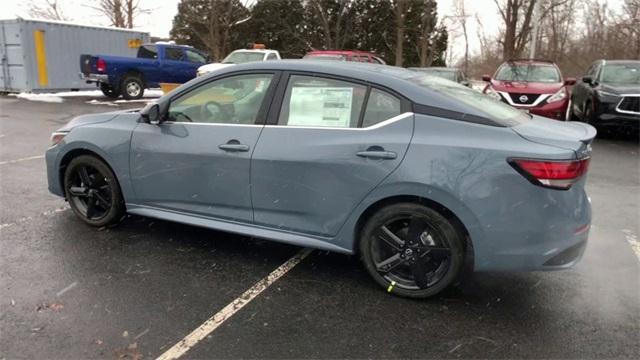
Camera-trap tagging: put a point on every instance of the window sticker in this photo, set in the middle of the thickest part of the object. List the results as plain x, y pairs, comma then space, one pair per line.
320, 106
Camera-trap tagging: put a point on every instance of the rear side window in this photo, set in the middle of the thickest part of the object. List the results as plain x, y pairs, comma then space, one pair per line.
496, 111
195, 57
381, 106
148, 52
173, 54
321, 102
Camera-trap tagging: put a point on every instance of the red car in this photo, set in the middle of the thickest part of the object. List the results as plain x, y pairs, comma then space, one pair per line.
344, 55
533, 85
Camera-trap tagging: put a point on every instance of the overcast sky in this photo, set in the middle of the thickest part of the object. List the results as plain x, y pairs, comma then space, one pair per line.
159, 19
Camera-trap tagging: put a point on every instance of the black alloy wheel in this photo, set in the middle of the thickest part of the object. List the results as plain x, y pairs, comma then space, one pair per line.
93, 191
412, 250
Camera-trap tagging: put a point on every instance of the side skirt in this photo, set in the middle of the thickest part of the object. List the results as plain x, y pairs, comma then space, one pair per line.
237, 228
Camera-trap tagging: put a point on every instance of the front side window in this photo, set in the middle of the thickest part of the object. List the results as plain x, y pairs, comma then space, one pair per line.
381, 106
321, 102
272, 56
195, 56
148, 52
528, 73
173, 54
232, 100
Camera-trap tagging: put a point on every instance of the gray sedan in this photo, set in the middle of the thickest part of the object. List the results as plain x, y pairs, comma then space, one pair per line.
418, 176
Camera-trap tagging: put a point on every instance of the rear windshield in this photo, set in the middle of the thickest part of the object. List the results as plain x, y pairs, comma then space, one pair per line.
494, 110
445, 74
326, 57
528, 73
621, 74
148, 52
240, 57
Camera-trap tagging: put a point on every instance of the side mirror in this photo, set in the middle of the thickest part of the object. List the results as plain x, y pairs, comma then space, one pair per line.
569, 81
486, 78
587, 79
151, 114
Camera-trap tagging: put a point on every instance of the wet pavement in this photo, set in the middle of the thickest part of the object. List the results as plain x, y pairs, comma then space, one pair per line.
69, 291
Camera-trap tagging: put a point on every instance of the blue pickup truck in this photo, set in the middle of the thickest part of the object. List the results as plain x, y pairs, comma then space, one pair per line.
156, 63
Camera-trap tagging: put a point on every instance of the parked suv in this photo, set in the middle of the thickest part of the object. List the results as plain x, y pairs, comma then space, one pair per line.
533, 85
608, 94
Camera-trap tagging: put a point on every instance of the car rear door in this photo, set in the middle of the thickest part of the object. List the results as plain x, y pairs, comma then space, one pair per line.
328, 143
198, 162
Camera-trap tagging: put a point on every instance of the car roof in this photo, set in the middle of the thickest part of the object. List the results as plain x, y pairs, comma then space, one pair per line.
436, 68
254, 50
340, 52
623, 62
530, 62
391, 77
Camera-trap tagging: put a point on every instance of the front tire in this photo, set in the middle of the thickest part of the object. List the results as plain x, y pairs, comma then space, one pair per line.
93, 192
412, 250
132, 87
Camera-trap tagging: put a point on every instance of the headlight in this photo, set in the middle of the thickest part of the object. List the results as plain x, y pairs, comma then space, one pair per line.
606, 94
560, 95
57, 136
493, 94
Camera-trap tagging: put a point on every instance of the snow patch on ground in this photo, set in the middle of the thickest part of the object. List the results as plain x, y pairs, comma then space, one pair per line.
58, 97
40, 97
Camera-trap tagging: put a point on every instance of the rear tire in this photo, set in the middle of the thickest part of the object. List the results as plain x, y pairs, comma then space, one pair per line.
109, 91
412, 250
93, 192
132, 87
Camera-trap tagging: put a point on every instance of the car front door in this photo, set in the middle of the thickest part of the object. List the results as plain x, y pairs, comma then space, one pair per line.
328, 143
582, 90
198, 161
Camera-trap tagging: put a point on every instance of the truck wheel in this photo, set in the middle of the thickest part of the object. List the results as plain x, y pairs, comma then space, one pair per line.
132, 87
109, 91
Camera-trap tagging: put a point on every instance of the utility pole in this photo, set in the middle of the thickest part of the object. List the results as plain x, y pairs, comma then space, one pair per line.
534, 31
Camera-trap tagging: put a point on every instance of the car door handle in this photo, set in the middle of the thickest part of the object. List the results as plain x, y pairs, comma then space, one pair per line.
233, 146
385, 155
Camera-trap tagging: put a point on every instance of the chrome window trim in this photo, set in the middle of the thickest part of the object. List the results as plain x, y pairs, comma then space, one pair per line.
372, 127
207, 124
626, 111
540, 99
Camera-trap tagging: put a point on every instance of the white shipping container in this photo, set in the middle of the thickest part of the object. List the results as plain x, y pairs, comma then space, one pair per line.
44, 56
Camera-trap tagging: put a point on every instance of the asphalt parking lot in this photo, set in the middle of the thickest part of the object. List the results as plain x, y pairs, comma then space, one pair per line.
69, 291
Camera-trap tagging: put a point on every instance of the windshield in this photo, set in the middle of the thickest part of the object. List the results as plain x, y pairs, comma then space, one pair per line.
528, 73
240, 57
326, 57
494, 109
621, 74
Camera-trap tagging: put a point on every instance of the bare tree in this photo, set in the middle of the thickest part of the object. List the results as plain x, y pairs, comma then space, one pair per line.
399, 11
459, 20
334, 20
517, 16
46, 9
121, 13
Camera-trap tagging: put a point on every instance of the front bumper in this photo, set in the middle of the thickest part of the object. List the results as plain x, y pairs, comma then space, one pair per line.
94, 78
53, 171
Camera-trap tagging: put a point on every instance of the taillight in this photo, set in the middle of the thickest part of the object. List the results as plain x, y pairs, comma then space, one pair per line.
556, 174
101, 65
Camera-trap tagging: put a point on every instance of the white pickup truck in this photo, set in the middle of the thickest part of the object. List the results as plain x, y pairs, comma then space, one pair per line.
239, 57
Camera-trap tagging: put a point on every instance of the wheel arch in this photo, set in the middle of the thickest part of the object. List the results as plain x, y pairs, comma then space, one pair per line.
74, 153
133, 72
416, 199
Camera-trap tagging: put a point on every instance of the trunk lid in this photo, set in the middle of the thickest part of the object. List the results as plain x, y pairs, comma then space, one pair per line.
575, 136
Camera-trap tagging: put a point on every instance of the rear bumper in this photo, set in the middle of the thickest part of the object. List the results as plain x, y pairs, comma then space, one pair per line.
95, 78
